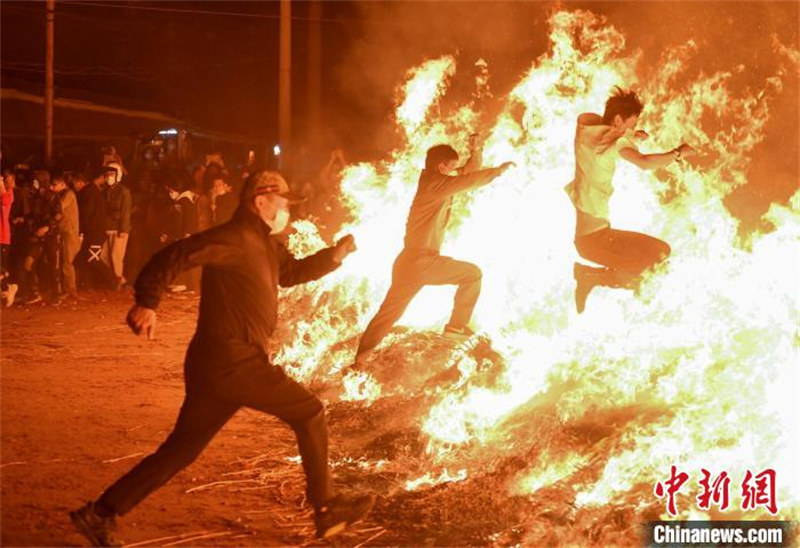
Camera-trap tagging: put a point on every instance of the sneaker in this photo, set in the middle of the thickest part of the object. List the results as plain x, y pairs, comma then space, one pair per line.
341, 512
36, 298
97, 529
11, 293
457, 333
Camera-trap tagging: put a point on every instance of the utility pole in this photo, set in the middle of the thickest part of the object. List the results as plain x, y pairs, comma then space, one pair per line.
314, 71
48, 83
285, 81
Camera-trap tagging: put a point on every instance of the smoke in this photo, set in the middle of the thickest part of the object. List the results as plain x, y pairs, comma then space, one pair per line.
399, 35
754, 40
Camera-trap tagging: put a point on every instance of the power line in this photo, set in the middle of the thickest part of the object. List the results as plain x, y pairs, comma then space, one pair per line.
117, 70
226, 13
81, 73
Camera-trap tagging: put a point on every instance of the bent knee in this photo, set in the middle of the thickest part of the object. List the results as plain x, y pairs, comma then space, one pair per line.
311, 416
660, 253
664, 252
473, 273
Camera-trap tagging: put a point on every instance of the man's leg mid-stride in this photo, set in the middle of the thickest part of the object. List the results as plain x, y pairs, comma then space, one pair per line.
626, 256
448, 271
405, 286
409, 275
267, 388
199, 420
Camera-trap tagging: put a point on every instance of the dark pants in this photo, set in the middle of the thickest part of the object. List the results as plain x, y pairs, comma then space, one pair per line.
627, 255
92, 272
40, 272
252, 382
5, 265
70, 245
412, 271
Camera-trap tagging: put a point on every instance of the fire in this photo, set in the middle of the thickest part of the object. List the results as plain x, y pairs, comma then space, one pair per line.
428, 479
712, 341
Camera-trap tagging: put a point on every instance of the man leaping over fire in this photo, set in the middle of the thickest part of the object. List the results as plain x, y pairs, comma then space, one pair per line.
227, 365
419, 263
599, 142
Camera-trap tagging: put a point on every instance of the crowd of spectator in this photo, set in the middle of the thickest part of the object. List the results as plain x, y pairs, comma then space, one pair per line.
65, 232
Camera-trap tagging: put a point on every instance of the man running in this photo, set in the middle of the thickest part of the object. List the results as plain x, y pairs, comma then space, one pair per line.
227, 364
599, 142
419, 263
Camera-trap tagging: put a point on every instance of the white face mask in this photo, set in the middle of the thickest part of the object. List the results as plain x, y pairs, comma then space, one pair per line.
280, 222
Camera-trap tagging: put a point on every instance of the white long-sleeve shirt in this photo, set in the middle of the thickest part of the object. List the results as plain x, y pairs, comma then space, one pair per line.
597, 149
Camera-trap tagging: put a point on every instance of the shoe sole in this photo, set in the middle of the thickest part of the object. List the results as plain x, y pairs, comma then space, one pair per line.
335, 530
458, 337
84, 529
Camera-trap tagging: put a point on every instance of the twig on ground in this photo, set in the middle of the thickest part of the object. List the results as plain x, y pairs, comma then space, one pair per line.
368, 530
192, 539
240, 472
109, 461
160, 539
215, 483
373, 537
12, 463
253, 488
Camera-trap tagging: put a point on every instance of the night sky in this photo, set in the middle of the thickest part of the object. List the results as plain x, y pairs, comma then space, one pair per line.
215, 70
215, 64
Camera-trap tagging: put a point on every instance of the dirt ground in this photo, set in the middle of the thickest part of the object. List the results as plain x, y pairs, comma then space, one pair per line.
83, 400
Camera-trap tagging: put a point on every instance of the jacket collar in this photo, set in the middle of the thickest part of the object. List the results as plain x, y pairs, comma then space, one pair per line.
249, 219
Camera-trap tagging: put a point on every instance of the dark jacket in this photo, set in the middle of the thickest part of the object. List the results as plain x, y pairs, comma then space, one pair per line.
92, 214
46, 211
430, 210
225, 206
242, 268
118, 199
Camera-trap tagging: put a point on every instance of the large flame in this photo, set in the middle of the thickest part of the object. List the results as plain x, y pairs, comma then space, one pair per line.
712, 341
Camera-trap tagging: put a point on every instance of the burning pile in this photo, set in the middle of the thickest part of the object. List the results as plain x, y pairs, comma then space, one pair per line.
551, 425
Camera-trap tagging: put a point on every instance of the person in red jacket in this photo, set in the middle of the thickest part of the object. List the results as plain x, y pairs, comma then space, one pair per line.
420, 263
9, 290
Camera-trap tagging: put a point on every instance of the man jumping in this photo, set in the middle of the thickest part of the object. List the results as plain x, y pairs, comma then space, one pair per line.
227, 364
419, 263
599, 142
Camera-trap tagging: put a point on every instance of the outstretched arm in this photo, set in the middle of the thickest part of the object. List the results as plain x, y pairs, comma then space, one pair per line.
474, 160
297, 271
449, 186
657, 160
